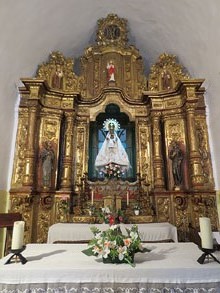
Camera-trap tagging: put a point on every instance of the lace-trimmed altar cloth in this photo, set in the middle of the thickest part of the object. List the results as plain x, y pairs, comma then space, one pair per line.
169, 267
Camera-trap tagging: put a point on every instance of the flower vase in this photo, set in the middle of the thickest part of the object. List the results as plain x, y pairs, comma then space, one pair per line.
136, 212
117, 260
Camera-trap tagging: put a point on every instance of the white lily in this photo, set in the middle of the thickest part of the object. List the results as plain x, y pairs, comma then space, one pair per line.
122, 251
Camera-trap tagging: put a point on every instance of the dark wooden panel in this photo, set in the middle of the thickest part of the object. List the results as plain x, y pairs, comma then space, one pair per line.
7, 219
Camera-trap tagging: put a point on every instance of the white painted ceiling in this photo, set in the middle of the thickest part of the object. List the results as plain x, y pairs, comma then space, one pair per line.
30, 30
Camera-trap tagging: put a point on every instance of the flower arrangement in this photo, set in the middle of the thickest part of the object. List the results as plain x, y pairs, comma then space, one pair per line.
136, 207
110, 217
91, 209
113, 246
112, 171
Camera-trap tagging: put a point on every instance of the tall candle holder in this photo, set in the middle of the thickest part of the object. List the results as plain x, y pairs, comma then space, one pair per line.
207, 254
17, 255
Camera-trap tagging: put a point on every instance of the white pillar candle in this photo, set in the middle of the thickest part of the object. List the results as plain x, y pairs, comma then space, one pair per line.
127, 198
206, 233
92, 197
17, 235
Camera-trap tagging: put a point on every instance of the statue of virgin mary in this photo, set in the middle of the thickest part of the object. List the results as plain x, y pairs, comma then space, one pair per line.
112, 150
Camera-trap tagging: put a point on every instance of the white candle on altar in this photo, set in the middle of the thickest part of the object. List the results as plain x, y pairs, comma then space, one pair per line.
127, 198
92, 197
18, 235
206, 233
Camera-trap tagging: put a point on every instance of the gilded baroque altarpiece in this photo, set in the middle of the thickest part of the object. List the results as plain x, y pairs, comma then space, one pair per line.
173, 180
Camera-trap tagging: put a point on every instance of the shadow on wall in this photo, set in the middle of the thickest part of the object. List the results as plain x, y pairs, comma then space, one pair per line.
218, 206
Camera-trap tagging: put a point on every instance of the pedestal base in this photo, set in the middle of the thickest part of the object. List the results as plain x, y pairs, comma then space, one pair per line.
17, 255
207, 253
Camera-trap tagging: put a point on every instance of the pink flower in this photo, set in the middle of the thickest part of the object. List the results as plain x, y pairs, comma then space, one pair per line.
127, 242
120, 219
64, 198
111, 220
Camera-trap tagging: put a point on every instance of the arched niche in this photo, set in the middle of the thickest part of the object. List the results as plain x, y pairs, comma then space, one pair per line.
97, 135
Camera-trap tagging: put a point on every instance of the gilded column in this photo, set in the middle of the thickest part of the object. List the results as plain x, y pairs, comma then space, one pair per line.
157, 154
66, 179
29, 165
196, 174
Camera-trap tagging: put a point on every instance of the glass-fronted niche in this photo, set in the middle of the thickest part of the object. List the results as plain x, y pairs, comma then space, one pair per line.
112, 122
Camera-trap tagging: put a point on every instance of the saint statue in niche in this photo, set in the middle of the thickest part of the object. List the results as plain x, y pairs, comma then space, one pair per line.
111, 71
47, 158
166, 79
176, 155
112, 150
57, 79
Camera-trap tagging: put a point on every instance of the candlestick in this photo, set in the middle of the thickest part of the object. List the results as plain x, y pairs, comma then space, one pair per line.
206, 233
127, 198
92, 197
17, 235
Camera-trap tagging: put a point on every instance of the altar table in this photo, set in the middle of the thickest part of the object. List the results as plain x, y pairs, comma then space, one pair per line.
80, 232
168, 267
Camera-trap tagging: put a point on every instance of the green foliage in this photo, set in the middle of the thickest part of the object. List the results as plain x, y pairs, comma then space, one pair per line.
109, 216
115, 247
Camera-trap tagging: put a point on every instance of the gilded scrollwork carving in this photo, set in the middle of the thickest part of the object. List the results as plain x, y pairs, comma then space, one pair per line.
165, 73
204, 205
175, 130
144, 152
46, 201
181, 216
23, 204
58, 72
112, 31
62, 208
43, 224
20, 149
204, 153
50, 129
163, 209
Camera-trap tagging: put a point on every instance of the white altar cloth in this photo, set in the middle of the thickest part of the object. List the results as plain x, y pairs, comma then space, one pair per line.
64, 268
76, 232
